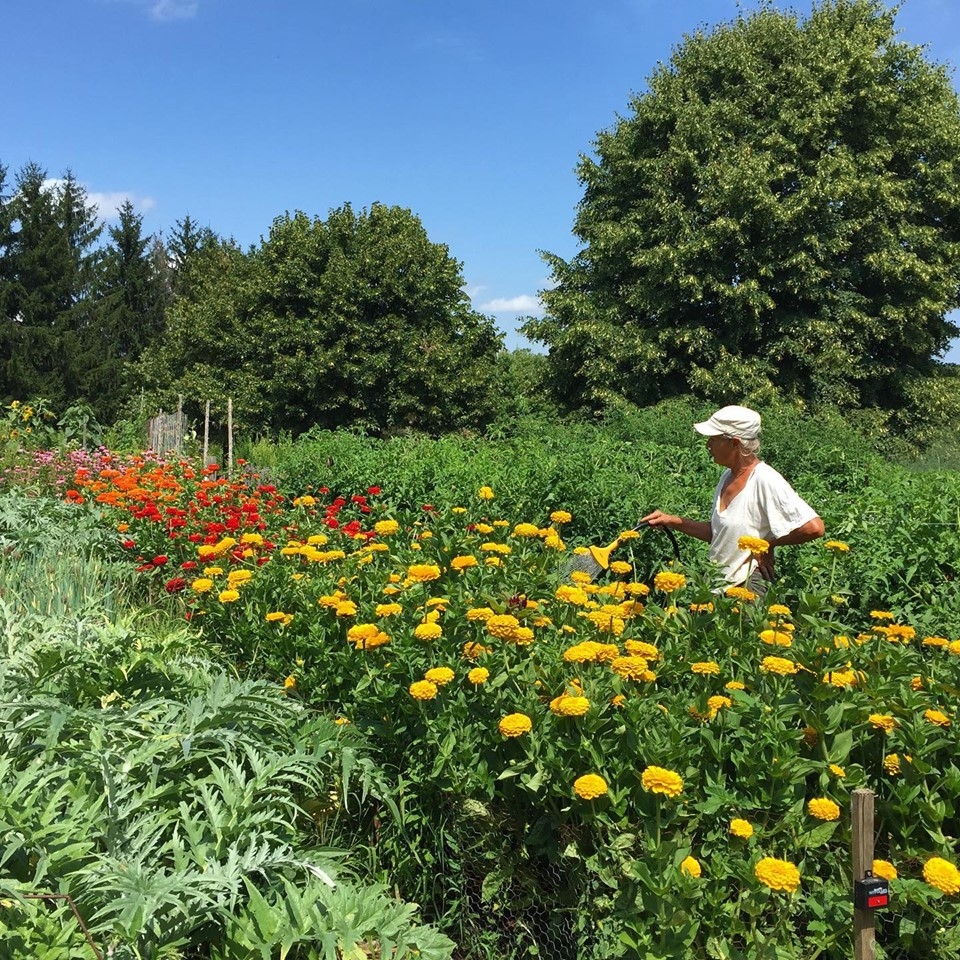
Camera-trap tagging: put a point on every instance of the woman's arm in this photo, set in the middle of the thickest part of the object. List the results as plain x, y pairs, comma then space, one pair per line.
699, 529
806, 532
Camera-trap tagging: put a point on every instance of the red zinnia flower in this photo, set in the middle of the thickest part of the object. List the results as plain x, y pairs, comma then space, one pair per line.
175, 585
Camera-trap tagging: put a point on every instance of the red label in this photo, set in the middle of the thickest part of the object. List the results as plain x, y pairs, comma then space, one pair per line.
880, 900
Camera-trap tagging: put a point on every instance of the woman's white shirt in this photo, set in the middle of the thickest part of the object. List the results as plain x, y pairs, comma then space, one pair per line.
767, 507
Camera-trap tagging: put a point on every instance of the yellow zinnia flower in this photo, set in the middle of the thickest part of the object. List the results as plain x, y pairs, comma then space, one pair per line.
589, 786
667, 582
942, 874
882, 721
937, 717
463, 562
662, 781
515, 725
777, 874
823, 809
478, 675
776, 638
560, 516
485, 493
503, 625
756, 545
706, 668
428, 631
778, 665
837, 546
690, 867
741, 828
566, 706
441, 676
228, 596
423, 690
884, 869
423, 572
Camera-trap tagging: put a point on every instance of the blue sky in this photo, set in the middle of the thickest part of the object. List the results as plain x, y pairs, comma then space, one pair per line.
472, 115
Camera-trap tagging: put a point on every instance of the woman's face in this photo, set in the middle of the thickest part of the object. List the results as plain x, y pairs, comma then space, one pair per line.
723, 450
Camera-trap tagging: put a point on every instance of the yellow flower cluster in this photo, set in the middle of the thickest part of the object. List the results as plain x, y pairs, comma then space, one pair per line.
741, 828
667, 582
756, 545
942, 874
589, 786
503, 626
423, 690
591, 651
884, 869
777, 874
823, 809
776, 638
662, 781
778, 665
367, 636
428, 631
936, 717
515, 725
631, 668
706, 668
567, 706
882, 721
441, 676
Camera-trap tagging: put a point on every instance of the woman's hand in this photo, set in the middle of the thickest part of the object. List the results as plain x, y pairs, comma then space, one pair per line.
692, 528
660, 519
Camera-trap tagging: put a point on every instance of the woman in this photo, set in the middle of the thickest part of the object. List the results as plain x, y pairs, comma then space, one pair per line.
751, 499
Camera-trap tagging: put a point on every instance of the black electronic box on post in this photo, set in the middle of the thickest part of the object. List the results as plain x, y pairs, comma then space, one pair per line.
871, 893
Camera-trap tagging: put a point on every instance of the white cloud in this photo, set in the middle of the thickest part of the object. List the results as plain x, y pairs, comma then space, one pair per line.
167, 9
524, 303
107, 204
173, 9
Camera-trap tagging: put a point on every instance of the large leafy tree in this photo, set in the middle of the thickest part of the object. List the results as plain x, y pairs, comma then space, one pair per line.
356, 320
779, 213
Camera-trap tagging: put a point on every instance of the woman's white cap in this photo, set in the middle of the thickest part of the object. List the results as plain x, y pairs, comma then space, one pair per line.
733, 421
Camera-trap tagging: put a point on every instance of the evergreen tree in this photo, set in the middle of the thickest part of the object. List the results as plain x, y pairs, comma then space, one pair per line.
126, 315
52, 264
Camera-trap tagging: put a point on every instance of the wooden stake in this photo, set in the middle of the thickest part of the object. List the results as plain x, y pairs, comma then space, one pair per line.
229, 438
206, 433
861, 827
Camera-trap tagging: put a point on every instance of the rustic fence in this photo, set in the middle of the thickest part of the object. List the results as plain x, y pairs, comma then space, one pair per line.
166, 432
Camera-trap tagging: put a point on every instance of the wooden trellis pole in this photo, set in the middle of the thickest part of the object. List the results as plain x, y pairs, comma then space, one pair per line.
229, 438
862, 828
206, 433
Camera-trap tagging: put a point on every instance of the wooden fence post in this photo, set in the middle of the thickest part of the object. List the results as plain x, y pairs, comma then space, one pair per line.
229, 438
206, 432
861, 827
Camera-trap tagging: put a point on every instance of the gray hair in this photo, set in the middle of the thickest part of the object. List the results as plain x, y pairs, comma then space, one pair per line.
751, 446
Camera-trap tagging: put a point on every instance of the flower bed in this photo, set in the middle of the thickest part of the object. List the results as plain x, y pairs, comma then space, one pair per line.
683, 759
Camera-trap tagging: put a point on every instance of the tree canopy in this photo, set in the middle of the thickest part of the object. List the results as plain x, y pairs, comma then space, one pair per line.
356, 320
778, 214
